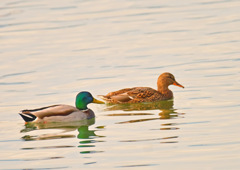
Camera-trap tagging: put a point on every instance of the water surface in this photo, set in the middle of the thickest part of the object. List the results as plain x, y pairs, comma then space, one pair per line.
51, 50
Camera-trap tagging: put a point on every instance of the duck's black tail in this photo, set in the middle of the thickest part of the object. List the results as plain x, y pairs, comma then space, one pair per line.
28, 117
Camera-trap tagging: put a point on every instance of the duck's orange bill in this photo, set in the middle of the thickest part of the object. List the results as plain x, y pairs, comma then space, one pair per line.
177, 84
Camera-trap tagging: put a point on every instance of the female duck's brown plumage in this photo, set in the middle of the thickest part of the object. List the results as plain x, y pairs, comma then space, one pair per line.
144, 94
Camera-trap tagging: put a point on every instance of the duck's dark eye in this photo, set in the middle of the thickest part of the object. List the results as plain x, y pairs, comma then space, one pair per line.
171, 77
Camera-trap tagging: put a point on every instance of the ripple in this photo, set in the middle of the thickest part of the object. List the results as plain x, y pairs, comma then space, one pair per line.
172, 128
185, 123
136, 165
86, 146
16, 74
169, 124
218, 75
194, 98
215, 144
64, 8
46, 137
45, 28
13, 83
129, 114
47, 147
126, 66
63, 167
97, 78
45, 94
137, 120
90, 152
143, 140
90, 141
189, 63
170, 142
33, 159
91, 49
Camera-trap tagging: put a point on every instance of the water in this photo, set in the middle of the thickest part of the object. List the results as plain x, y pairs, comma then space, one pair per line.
51, 50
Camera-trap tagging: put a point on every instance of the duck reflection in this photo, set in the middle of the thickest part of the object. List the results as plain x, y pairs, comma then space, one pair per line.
86, 136
162, 105
167, 112
166, 108
81, 126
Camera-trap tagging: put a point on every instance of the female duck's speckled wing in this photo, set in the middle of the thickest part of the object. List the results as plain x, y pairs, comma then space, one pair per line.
132, 95
49, 111
144, 94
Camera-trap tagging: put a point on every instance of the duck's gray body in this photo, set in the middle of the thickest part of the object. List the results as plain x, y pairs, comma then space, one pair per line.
56, 113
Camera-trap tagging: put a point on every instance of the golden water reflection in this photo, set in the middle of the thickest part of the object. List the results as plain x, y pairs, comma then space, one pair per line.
166, 110
81, 126
160, 105
87, 137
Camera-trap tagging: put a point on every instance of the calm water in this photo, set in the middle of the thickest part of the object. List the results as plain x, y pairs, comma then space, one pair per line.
51, 50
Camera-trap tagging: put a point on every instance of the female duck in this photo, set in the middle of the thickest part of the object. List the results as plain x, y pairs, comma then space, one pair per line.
144, 94
61, 112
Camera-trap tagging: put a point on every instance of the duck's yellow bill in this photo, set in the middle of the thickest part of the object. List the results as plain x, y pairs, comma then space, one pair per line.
97, 101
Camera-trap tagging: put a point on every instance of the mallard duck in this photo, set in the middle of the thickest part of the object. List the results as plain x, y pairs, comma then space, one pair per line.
62, 112
144, 94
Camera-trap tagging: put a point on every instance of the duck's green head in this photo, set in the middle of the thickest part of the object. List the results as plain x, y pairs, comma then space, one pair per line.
84, 98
